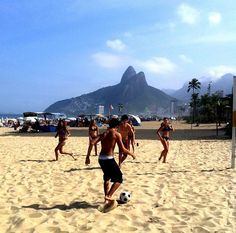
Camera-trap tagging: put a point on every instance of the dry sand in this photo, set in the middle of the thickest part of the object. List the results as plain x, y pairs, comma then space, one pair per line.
194, 192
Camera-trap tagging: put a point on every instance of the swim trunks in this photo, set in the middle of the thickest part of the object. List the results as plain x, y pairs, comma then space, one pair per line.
110, 168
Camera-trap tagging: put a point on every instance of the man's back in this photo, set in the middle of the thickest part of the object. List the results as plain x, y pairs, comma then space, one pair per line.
108, 142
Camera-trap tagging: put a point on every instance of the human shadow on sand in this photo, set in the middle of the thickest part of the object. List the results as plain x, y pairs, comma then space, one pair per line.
75, 205
82, 169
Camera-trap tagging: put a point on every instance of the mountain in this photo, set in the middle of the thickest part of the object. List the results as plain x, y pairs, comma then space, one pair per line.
132, 92
224, 83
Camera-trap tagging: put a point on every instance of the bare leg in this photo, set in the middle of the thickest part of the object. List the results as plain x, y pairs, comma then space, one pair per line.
165, 155
162, 154
166, 149
106, 187
165, 144
89, 149
58, 148
112, 190
56, 153
96, 149
66, 153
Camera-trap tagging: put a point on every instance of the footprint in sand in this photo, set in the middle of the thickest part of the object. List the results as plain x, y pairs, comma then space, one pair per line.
36, 215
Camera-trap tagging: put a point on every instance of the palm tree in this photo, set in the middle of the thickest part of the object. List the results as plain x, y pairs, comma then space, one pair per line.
193, 85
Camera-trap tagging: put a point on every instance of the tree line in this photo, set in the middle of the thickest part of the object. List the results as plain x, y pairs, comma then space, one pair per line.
210, 107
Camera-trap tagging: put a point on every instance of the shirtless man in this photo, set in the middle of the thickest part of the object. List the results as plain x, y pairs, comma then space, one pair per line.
126, 131
107, 162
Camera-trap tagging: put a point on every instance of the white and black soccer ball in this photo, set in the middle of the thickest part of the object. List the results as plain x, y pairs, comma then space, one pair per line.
125, 197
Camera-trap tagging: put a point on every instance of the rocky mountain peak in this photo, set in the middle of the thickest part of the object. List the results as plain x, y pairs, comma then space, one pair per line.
141, 79
131, 78
129, 73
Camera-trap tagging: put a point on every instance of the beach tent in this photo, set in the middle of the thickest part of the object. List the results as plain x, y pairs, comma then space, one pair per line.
135, 120
33, 116
115, 116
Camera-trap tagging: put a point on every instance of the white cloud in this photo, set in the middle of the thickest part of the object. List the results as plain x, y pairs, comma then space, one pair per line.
158, 65
214, 17
185, 58
107, 60
188, 14
218, 71
155, 65
117, 45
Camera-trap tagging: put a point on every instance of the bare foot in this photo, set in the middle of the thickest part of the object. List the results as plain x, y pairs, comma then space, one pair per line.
108, 199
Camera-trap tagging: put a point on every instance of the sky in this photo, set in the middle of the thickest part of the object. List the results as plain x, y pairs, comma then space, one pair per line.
60, 49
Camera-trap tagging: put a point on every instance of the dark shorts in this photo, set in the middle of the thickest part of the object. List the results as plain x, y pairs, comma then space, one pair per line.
111, 170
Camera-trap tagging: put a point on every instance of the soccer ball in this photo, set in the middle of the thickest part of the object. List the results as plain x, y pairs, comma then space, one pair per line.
125, 197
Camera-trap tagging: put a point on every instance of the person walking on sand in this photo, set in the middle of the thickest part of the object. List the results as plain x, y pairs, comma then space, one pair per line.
93, 133
63, 134
111, 170
164, 136
126, 131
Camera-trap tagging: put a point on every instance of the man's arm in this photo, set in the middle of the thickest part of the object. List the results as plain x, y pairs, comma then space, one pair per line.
131, 131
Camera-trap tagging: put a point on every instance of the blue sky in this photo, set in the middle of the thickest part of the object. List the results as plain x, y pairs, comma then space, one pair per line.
59, 49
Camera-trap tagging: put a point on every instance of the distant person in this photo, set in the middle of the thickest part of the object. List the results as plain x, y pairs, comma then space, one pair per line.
63, 134
93, 133
131, 137
126, 131
36, 126
16, 124
164, 134
111, 170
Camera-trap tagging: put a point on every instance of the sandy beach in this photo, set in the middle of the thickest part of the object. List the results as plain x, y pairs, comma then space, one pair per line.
195, 191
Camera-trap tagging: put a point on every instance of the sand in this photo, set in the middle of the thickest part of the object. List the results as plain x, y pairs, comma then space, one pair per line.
194, 192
